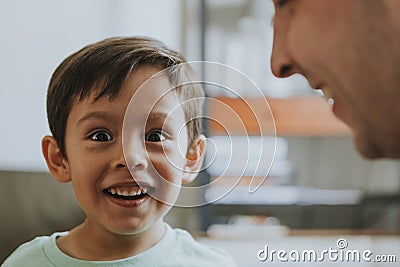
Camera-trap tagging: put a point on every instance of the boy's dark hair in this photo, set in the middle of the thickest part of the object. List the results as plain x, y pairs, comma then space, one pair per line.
101, 69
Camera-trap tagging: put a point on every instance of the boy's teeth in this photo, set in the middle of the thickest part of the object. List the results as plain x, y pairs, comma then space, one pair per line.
126, 193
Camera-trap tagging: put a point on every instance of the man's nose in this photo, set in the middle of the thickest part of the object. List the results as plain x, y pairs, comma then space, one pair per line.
281, 62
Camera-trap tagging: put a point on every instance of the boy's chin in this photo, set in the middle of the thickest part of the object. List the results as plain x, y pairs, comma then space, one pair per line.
142, 228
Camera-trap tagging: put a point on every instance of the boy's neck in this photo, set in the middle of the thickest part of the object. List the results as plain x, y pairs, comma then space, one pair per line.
91, 243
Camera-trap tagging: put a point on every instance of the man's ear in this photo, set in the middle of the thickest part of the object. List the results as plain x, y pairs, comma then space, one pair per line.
56, 162
194, 159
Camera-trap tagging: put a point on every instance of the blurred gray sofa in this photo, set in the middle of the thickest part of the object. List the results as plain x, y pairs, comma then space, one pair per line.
33, 204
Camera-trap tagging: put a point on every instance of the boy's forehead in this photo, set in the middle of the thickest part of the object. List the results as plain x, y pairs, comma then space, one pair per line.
155, 99
147, 94
155, 104
149, 77
151, 86
146, 75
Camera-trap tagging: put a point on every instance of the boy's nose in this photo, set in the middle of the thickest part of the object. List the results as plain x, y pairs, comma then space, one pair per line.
136, 156
134, 151
119, 162
134, 161
137, 162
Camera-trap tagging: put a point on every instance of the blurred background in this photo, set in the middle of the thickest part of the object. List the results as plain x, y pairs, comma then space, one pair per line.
318, 187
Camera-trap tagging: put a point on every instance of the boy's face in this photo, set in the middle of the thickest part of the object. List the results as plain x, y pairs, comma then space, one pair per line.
105, 184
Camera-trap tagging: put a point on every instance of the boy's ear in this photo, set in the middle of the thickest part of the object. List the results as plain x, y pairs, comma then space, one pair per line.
56, 162
194, 159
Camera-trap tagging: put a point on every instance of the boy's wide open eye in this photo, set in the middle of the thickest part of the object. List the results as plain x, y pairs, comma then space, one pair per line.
155, 136
101, 136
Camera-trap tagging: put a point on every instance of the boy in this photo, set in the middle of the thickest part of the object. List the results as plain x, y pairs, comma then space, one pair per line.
123, 177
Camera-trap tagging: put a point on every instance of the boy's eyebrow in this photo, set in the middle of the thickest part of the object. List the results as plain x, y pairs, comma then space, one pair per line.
104, 115
158, 115
93, 114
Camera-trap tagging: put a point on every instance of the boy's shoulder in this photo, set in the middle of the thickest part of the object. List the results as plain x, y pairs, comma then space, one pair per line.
192, 253
31, 253
178, 248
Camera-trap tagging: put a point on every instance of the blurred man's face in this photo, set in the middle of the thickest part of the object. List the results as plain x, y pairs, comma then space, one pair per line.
350, 50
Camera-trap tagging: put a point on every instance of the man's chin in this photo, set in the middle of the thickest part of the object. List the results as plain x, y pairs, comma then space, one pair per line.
368, 147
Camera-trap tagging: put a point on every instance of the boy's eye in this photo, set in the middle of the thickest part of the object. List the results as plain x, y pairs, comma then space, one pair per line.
101, 136
155, 136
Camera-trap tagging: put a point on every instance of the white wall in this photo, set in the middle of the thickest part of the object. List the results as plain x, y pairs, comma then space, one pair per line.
37, 35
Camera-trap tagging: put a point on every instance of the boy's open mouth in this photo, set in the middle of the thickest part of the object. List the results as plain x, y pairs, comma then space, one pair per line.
127, 192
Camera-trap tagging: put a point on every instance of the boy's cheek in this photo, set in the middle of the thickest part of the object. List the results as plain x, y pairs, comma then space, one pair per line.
168, 162
167, 195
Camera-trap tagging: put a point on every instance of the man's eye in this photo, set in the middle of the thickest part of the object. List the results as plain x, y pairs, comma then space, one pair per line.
155, 136
281, 3
101, 136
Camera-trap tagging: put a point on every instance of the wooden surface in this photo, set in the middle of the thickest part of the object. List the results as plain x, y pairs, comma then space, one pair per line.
295, 116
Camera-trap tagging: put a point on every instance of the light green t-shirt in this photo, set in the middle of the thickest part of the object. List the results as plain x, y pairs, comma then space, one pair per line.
177, 248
